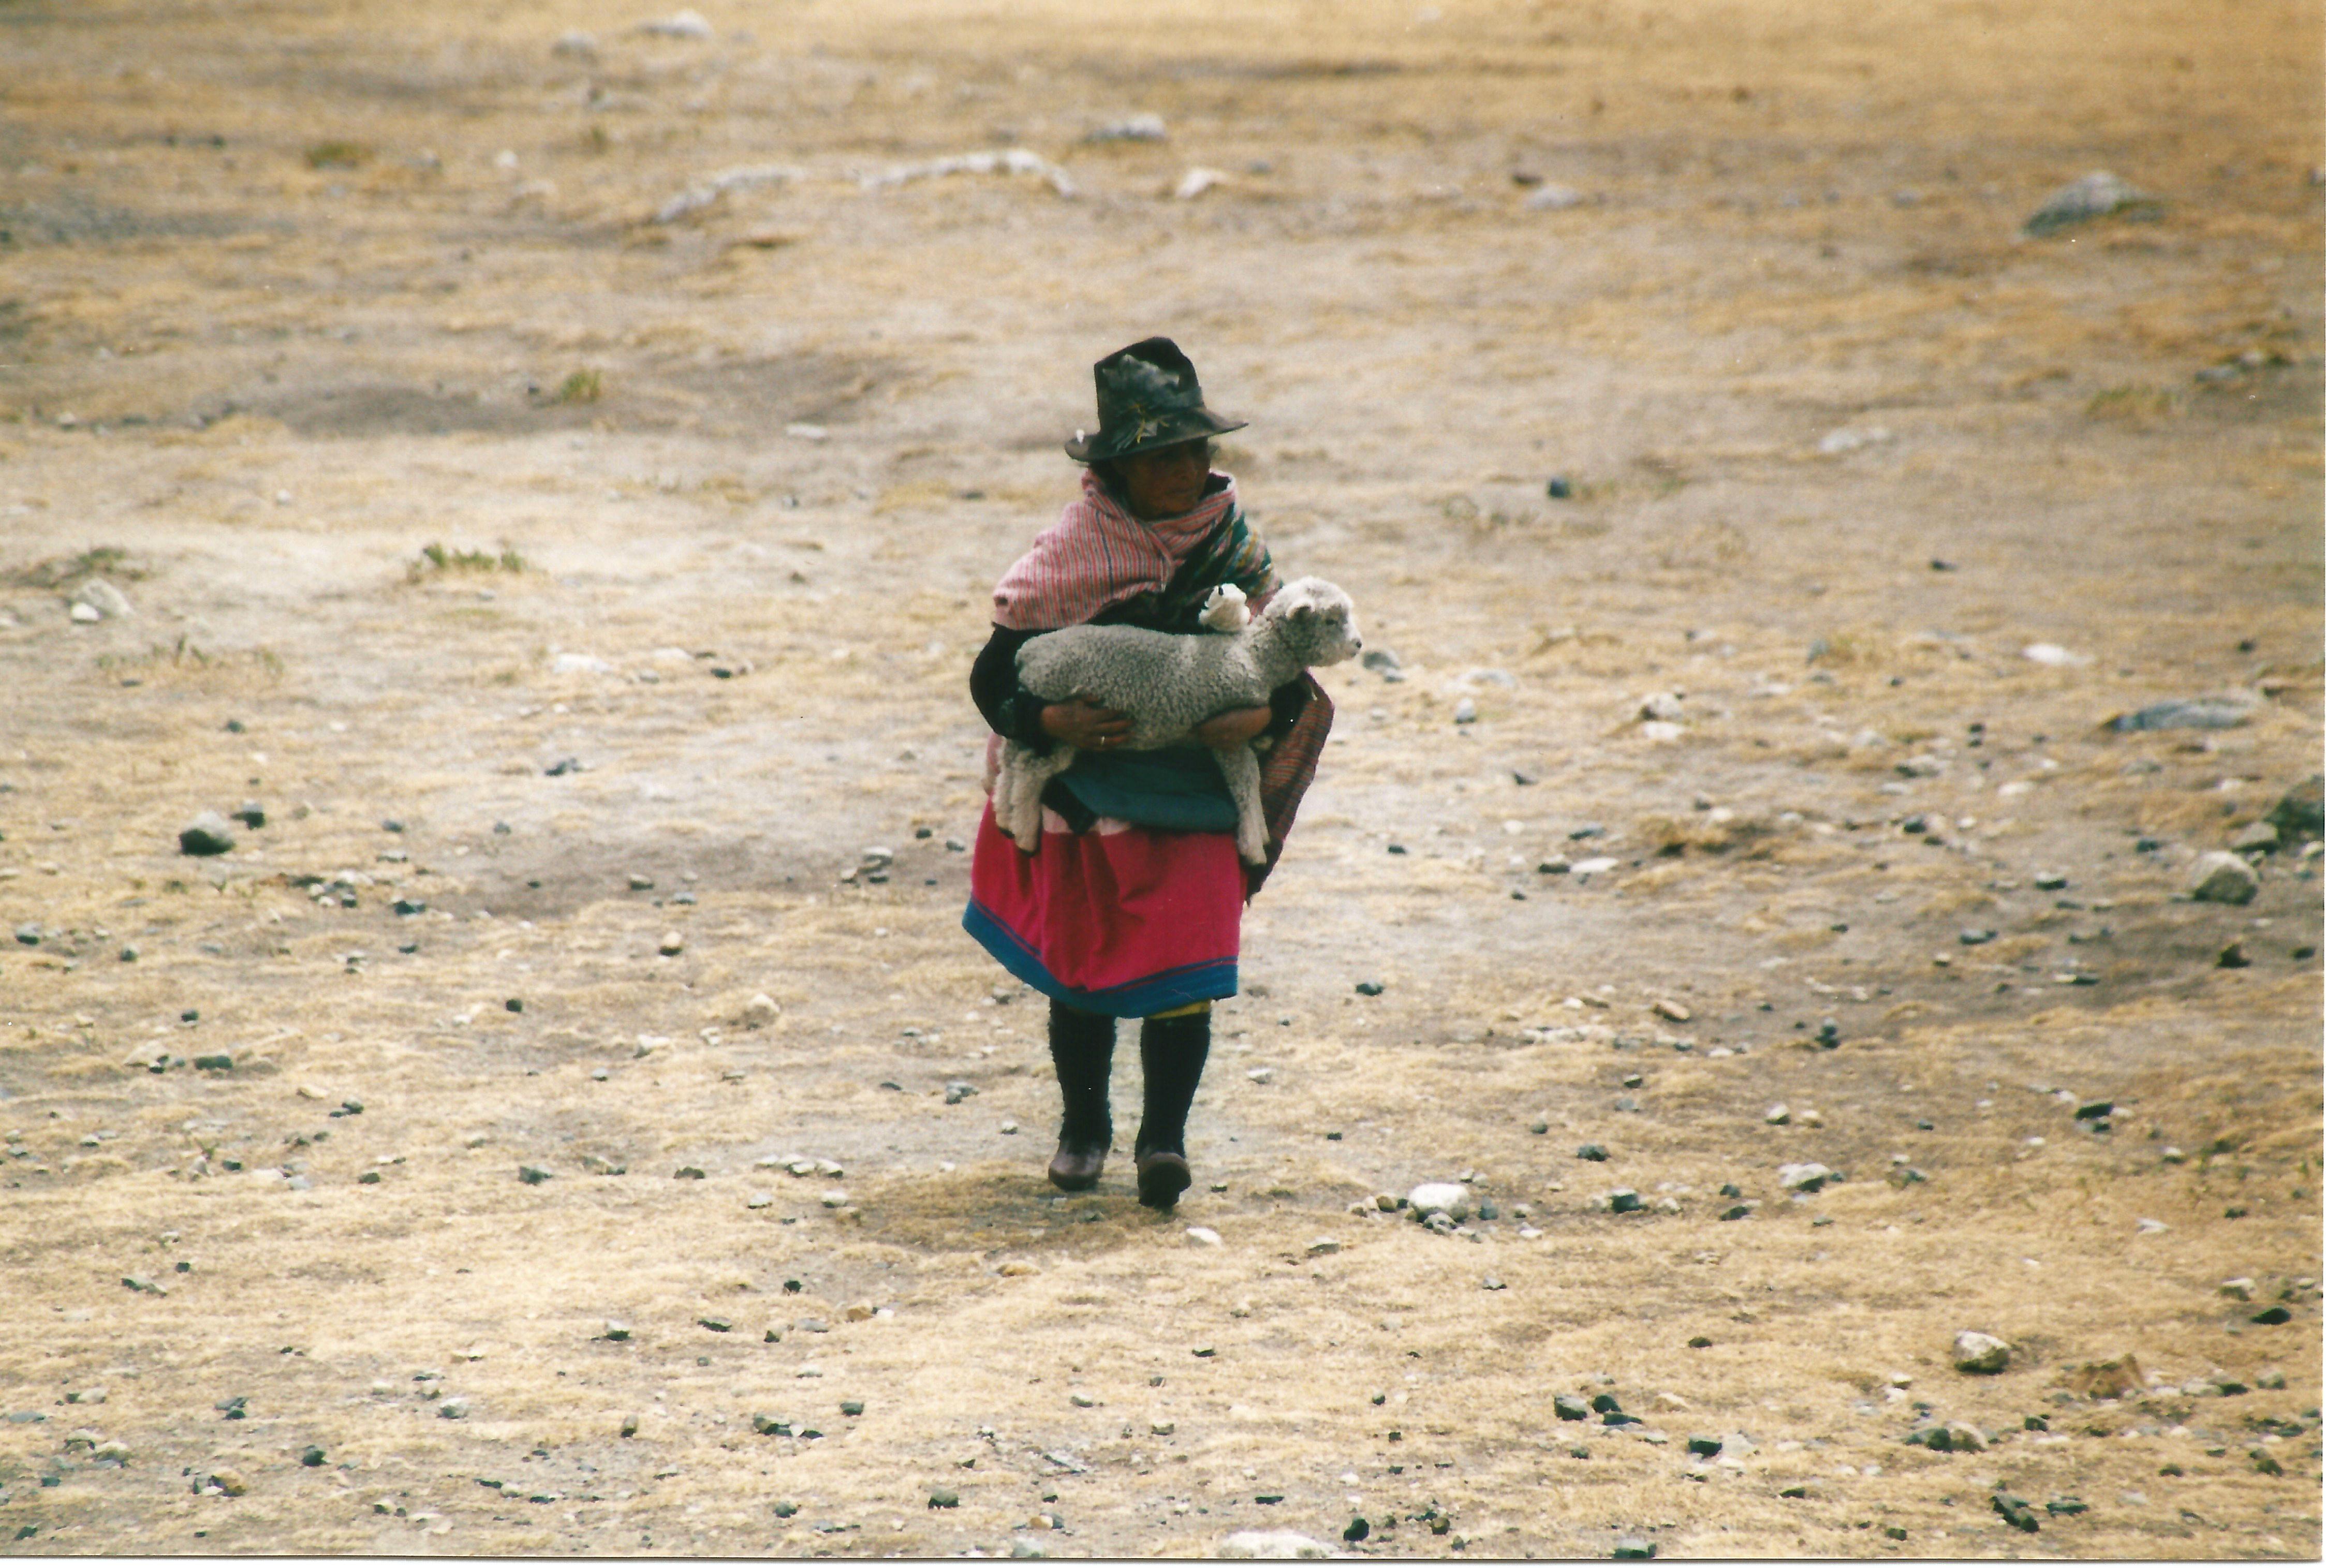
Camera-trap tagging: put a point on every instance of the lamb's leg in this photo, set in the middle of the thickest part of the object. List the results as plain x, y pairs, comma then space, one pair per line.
1032, 775
1010, 792
1240, 766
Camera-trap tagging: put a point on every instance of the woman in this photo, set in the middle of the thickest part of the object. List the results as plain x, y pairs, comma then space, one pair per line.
1129, 905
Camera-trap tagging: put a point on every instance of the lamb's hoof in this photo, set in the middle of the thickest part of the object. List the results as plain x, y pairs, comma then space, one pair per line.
1162, 1177
1076, 1167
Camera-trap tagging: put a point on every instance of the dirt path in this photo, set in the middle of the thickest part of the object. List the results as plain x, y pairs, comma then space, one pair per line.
568, 584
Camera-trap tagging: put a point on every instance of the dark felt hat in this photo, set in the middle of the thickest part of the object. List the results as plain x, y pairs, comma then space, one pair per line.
1148, 397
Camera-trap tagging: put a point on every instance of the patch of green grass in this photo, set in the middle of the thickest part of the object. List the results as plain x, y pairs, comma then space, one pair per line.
2131, 402
58, 572
582, 386
434, 557
336, 155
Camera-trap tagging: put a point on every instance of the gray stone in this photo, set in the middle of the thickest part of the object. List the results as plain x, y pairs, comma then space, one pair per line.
1136, 128
2300, 813
1624, 1201
1567, 1407
1631, 1548
945, 1497
29, 934
207, 834
1807, 1177
1465, 711
2221, 878
1979, 1352
2187, 714
2262, 836
2098, 194
105, 600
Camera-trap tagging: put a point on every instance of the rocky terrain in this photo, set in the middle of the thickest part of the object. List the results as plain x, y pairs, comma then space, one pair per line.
1790, 1024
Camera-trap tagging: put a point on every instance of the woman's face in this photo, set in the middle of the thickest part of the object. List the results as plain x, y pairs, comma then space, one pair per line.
1166, 481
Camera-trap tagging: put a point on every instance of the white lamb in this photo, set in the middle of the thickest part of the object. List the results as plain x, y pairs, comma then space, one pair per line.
1169, 683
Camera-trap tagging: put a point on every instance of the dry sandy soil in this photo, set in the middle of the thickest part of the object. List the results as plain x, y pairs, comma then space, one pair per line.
289, 294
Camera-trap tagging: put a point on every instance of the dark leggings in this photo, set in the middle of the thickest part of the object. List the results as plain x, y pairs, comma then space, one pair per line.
1172, 1050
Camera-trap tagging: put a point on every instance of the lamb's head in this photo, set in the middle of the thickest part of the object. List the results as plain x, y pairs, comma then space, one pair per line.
1317, 619
1226, 610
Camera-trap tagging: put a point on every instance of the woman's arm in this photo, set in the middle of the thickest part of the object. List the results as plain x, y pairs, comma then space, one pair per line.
1010, 710
1017, 714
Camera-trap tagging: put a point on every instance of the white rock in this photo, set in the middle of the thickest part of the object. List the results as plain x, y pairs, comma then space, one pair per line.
1449, 1198
1595, 864
575, 45
88, 615
1553, 199
835, 1198
1807, 1177
580, 664
1978, 1352
2221, 878
1962, 1437
103, 597
2238, 1289
1323, 1246
1192, 184
1839, 441
1660, 705
1202, 1236
761, 1011
679, 24
1778, 1115
1275, 1544
671, 944
1137, 128
2151, 1227
1661, 730
2051, 655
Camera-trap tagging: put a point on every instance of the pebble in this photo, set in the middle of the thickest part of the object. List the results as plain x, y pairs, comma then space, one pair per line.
207, 834
453, 1410
1978, 938
1595, 864
762, 1010
955, 1092
671, 944
1465, 711
945, 1497
1666, 1008
1624, 1201
1777, 1114
250, 815
2255, 836
1368, 987
1554, 199
1980, 1353
835, 1198
1631, 1548
532, 1175
1595, 1152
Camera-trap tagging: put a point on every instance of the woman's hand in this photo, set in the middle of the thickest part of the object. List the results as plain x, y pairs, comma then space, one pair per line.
1085, 725
1234, 728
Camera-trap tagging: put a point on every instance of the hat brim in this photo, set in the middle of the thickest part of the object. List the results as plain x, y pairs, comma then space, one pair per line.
1185, 425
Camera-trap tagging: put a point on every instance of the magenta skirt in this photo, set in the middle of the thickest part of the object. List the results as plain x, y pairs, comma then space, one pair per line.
1122, 920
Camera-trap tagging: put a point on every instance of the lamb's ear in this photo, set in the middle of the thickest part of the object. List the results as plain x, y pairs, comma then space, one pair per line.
1304, 611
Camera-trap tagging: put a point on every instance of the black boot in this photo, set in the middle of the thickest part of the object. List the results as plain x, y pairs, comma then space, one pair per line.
1082, 1048
1171, 1055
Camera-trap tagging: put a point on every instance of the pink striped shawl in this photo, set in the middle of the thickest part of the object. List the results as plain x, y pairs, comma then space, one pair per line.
1097, 554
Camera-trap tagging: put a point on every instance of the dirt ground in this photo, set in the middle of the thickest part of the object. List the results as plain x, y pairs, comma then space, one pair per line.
558, 479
